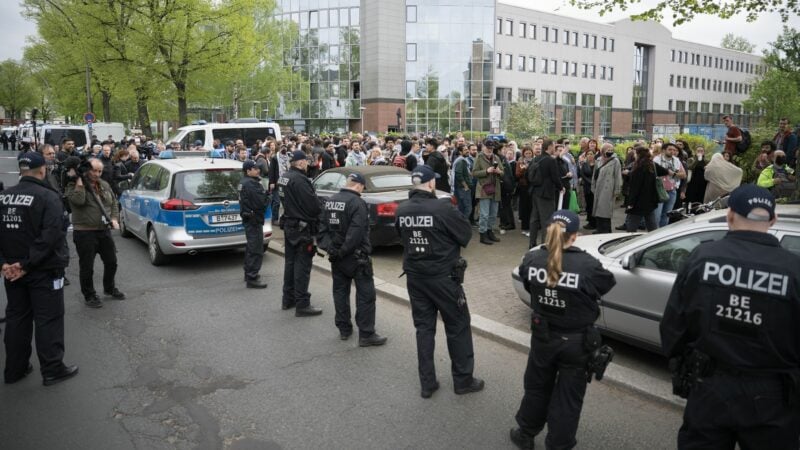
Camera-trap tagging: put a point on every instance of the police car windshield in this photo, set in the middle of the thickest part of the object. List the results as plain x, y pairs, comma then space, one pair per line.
389, 182
208, 185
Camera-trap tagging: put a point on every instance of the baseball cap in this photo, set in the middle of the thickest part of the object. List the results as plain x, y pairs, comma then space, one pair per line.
423, 174
30, 160
568, 218
298, 155
358, 178
744, 199
229, 144
249, 164
198, 143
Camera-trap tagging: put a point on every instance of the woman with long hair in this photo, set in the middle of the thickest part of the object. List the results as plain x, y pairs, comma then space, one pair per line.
525, 201
606, 184
565, 284
643, 199
722, 176
586, 172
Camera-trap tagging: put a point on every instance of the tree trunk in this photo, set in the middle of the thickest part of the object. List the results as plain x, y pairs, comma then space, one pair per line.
180, 87
106, 105
143, 114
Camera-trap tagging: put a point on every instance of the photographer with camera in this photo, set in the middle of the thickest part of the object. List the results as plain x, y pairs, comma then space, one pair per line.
345, 236
565, 284
94, 214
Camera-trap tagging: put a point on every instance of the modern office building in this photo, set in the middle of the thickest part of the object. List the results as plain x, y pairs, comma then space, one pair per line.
440, 65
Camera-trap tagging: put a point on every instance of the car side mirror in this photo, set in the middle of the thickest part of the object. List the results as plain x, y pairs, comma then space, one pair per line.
124, 185
628, 262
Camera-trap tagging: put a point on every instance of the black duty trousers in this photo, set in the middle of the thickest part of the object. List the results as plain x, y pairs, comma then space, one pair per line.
525, 205
365, 300
542, 209
555, 383
254, 250
34, 304
506, 213
297, 275
430, 296
88, 244
751, 410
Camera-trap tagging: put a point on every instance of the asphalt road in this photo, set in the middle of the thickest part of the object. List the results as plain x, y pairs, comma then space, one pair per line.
192, 359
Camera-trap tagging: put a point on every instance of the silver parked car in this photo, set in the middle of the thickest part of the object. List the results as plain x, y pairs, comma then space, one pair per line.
646, 264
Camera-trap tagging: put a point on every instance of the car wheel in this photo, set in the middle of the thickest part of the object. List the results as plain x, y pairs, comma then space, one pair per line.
123, 230
157, 257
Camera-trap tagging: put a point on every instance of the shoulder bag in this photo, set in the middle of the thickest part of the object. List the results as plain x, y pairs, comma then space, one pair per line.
663, 196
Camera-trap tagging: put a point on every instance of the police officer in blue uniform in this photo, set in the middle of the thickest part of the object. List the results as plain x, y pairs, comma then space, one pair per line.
565, 284
301, 211
33, 256
345, 236
731, 329
253, 201
432, 233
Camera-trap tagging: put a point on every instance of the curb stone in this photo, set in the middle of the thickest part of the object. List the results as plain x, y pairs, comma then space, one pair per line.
616, 375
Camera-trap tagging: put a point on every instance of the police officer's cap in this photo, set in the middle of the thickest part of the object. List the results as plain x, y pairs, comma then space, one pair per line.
298, 155
30, 160
249, 164
423, 174
358, 178
746, 198
571, 221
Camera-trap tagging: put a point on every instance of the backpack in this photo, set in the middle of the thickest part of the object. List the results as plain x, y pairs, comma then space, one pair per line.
399, 161
744, 144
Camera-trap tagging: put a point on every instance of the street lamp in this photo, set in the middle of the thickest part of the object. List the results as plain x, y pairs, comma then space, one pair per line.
362, 109
416, 114
471, 108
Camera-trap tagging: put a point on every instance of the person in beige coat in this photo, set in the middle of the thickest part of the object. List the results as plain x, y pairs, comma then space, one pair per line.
488, 172
606, 185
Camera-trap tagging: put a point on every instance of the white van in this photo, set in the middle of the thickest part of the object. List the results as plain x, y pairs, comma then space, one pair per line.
206, 133
54, 134
103, 129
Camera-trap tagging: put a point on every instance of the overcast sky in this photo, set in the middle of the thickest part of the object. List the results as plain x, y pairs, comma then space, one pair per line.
703, 29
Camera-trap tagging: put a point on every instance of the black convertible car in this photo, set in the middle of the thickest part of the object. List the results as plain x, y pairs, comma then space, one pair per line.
387, 187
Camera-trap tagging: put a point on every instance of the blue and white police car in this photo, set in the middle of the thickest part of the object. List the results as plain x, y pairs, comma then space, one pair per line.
186, 206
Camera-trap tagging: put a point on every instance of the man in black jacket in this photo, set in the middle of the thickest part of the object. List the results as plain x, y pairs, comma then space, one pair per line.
328, 157
437, 162
253, 200
345, 236
33, 256
432, 233
299, 223
544, 177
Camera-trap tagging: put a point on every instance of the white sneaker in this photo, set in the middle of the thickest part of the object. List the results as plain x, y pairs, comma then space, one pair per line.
526, 233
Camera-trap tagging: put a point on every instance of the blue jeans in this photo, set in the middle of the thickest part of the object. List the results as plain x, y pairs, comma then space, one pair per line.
488, 209
464, 202
663, 209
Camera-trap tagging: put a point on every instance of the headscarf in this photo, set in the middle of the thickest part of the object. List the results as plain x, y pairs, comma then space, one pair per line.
723, 174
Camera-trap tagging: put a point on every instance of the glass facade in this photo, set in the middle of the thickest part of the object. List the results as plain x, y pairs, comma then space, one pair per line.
449, 84
587, 114
324, 49
568, 112
641, 69
605, 114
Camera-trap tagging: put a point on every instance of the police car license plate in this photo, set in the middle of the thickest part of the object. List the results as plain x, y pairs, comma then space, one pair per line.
225, 218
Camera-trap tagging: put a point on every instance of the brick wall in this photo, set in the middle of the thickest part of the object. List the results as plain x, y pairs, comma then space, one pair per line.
379, 116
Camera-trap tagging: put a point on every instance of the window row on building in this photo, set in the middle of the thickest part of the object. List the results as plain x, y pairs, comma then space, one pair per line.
551, 66
589, 104
706, 84
692, 112
552, 34
325, 18
715, 62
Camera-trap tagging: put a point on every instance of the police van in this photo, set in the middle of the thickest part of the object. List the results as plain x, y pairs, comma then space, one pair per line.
54, 134
186, 206
207, 132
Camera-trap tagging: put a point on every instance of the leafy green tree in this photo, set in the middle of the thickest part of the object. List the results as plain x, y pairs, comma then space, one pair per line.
527, 119
16, 91
784, 54
685, 10
738, 43
776, 93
